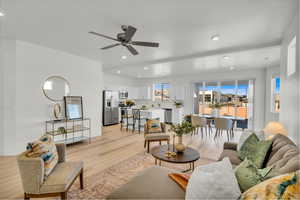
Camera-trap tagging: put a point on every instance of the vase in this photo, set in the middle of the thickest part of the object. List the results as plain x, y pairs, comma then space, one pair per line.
180, 146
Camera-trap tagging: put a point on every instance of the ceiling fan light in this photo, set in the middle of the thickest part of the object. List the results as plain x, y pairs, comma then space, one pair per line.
124, 57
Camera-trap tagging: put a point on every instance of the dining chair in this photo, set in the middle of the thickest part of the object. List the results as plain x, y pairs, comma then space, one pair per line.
199, 123
123, 118
222, 124
137, 119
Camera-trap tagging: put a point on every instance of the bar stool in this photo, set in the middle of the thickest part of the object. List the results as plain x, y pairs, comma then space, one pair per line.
137, 119
127, 117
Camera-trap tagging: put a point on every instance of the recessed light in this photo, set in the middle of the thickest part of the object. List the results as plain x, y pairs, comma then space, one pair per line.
146, 68
124, 57
215, 37
118, 72
225, 57
231, 68
1, 14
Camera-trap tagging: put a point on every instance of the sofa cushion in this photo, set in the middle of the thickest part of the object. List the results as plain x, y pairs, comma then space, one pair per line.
248, 147
245, 134
248, 174
232, 155
154, 126
285, 186
255, 150
156, 136
61, 178
153, 183
213, 181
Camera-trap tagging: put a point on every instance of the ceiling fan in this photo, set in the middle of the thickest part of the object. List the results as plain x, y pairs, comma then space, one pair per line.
124, 39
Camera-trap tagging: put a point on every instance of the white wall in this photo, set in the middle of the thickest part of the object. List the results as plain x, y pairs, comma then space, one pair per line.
289, 111
1, 98
270, 73
25, 102
259, 75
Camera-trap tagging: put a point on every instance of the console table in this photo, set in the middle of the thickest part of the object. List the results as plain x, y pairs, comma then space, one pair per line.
69, 131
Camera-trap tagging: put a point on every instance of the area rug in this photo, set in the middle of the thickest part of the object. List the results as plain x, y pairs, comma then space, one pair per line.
106, 181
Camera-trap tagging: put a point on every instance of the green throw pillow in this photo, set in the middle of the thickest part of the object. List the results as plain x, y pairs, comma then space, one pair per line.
261, 152
248, 147
248, 175
255, 150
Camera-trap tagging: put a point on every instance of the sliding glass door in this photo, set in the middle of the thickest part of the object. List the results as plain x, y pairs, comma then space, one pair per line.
234, 98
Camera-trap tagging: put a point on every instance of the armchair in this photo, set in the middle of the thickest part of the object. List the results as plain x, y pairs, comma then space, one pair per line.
155, 137
58, 183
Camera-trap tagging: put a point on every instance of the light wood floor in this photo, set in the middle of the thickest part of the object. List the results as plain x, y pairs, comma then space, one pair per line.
104, 151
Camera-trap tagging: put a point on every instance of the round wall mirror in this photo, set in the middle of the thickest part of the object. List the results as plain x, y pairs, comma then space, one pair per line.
56, 87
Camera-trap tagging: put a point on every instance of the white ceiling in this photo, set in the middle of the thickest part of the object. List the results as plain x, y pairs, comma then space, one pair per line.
250, 31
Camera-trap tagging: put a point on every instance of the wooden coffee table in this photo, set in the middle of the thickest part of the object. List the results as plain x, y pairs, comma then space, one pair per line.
189, 156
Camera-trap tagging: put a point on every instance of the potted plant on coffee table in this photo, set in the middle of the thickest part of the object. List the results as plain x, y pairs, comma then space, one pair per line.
181, 129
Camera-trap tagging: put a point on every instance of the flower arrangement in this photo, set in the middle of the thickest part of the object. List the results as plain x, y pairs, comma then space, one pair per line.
183, 128
180, 129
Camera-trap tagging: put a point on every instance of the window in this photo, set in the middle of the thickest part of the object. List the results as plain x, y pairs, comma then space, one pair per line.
235, 98
275, 94
291, 57
161, 91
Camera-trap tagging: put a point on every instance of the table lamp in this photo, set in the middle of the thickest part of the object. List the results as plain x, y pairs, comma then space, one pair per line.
273, 128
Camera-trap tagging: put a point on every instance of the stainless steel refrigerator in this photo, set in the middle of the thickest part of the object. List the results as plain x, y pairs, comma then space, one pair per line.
110, 107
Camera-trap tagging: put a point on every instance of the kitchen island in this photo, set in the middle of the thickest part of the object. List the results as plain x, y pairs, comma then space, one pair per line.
154, 113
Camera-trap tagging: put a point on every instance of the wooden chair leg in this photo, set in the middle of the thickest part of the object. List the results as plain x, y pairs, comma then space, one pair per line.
64, 195
159, 142
25, 196
148, 147
145, 144
81, 179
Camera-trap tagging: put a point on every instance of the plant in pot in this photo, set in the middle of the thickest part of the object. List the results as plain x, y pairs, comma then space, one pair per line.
181, 129
215, 106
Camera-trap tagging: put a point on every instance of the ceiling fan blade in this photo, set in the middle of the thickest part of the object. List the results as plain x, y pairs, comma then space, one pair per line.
105, 36
129, 33
110, 46
146, 44
132, 50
